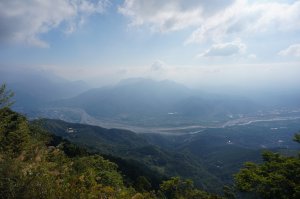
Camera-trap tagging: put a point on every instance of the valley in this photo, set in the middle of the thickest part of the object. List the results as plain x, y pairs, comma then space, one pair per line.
165, 129
77, 115
209, 156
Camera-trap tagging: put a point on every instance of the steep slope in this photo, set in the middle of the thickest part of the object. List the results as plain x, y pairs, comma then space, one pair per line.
35, 164
108, 141
223, 151
131, 146
32, 165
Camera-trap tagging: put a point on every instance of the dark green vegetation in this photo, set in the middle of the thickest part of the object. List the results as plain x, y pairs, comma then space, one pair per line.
134, 147
5, 97
36, 164
31, 168
114, 163
277, 177
207, 157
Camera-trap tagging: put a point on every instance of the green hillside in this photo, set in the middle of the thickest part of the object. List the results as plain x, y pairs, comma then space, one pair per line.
135, 148
36, 164
83, 161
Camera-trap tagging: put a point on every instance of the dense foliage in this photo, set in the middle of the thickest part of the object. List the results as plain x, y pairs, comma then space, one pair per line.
152, 161
206, 157
35, 164
177, 189
5, 96
277, 177
31, 169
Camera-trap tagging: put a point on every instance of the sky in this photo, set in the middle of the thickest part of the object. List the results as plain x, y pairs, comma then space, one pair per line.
202, 43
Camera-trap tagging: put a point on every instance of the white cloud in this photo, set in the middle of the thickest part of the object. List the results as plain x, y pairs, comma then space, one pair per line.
225, 49
247, 19
213, 20
170, 15
292, 50
25, 20
252, 56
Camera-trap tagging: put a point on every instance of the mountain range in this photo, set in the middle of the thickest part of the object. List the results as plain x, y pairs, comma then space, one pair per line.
148, 102
30, 95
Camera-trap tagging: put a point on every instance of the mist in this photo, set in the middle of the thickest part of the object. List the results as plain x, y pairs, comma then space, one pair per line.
253, 81
267, 84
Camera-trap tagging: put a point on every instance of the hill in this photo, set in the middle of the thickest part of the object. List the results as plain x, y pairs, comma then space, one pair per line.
35, 88
134, 147
36, 164
145, 102
210, 157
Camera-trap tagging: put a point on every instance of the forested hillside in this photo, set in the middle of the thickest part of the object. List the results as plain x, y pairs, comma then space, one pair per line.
210, 157
36, 164
132, 147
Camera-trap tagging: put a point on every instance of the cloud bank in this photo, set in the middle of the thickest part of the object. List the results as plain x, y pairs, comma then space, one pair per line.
216, 23
292, 50
170, 15
24, 21
225, 49
212, 19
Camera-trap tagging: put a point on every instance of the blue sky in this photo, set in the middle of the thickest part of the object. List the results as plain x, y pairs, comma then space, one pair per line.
190, 41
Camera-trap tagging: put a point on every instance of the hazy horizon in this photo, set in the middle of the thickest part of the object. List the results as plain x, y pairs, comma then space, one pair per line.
234, 45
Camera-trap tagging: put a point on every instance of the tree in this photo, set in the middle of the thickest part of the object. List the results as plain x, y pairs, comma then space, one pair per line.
5, 97
297, 137
30, 168
176, 188
142, 184
277, 177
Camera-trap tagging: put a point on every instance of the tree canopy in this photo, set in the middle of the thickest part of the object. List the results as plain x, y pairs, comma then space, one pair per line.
277, 177
5, 96
36, 164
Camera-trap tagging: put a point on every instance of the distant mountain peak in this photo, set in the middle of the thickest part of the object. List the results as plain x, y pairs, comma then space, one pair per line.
135, 80
149, 81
